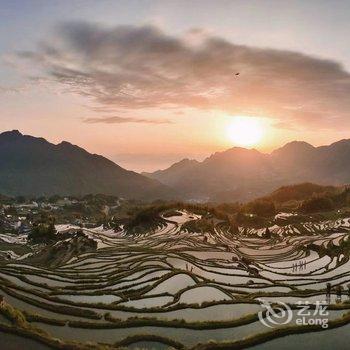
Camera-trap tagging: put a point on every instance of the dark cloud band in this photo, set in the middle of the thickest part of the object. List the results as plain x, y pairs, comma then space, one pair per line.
130, 67
123, 120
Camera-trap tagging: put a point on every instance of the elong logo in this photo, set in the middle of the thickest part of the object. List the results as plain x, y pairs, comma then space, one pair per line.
279, 313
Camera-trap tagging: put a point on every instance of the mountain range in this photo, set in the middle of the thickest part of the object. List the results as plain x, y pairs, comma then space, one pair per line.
33, 166
243, 174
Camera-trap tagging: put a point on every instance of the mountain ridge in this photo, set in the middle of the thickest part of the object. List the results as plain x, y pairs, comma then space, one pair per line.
33, 166
249, 173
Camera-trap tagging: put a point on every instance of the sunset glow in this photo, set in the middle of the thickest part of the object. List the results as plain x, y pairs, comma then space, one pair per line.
163, 156
245, 131
163, 81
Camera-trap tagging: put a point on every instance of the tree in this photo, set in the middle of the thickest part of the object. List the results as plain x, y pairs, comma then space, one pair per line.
262, 208
316, 204
42, 233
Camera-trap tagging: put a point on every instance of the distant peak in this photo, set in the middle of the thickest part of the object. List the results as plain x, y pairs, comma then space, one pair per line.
235, 151
67, 144
340, 143
183, 163
186, 161
12, 133
241, 149
297, 144
294, 147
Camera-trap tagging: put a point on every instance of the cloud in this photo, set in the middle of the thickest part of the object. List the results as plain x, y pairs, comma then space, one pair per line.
136, 67
9, 90
123, 120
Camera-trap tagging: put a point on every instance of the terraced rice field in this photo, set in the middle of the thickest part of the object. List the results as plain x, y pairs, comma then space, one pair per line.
188, 288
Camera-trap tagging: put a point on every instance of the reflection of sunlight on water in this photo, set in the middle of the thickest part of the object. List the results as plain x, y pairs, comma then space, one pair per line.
182, 267
201, 294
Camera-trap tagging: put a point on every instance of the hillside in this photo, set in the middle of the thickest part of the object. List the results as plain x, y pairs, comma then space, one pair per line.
34, 166
240, 174
300, 192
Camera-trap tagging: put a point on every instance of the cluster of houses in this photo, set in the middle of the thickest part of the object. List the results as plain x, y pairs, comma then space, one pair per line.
15, 217
14, 223
18, 215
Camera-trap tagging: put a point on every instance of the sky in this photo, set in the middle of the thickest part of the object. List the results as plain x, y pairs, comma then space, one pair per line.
147, 83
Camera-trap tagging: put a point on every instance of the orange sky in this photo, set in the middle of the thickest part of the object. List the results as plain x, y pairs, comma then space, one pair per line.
147, 88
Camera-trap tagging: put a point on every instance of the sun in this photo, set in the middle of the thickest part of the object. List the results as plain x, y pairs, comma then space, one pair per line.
245, 131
